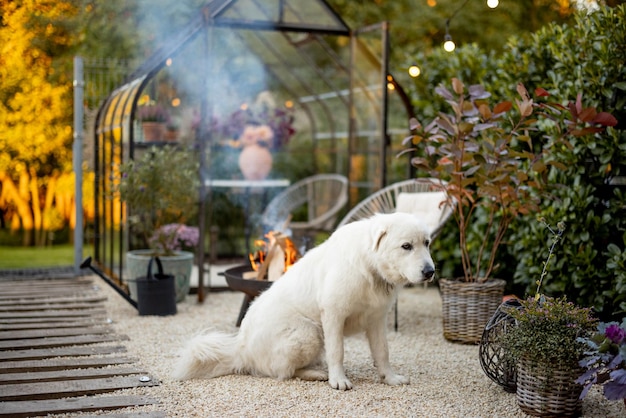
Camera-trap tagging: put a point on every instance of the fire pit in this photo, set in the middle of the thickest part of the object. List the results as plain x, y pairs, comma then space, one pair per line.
252, 288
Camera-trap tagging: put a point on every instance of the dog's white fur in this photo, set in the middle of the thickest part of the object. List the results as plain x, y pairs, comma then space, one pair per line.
344, 286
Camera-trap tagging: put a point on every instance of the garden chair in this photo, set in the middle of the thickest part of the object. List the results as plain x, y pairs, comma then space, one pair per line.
318, 199
423, 197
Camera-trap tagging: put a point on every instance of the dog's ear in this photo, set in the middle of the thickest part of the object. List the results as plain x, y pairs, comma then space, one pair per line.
379, 234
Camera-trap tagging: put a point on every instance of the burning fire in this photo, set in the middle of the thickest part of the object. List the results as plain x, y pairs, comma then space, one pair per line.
269, 254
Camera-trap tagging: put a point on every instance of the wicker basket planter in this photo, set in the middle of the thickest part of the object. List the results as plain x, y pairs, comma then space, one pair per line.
467, 307
547, 390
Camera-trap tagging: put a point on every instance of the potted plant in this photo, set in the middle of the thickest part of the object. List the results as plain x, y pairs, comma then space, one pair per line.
160, 188
493, 170
605, 361
546, 346
154, 118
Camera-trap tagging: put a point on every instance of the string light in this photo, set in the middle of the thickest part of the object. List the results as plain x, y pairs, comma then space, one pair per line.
414, 71
492, 4
448, 43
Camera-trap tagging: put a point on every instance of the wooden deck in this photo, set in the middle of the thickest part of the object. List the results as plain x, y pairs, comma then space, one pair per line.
59, 353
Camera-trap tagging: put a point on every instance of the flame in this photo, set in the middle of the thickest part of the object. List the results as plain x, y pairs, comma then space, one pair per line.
258, 257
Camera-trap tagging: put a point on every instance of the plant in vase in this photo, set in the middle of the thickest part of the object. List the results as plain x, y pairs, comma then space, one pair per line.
493, 170
605, 361
257, 134
160, 188
546, 345
154, 118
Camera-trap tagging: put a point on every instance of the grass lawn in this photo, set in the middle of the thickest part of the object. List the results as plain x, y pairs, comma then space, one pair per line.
36, 257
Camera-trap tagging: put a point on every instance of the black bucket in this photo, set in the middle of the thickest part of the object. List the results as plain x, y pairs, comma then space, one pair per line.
156, 294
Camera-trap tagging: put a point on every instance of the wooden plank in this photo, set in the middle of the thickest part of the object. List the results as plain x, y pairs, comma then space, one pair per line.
81, 322
45, 293
19, 409
55, 390
75, 374
38, 354
54, 313
56, 300
44, 305
53, 332
66, 319
59, 341
61, 364
28, 286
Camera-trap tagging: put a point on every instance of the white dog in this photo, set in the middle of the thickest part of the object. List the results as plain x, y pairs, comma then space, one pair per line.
344, 286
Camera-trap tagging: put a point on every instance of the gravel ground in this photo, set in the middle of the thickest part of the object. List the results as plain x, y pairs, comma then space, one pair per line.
446, 378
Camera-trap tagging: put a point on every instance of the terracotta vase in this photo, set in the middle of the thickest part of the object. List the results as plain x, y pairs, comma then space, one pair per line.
153, 131
255, 162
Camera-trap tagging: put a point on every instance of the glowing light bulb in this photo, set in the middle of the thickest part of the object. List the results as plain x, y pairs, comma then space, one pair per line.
414, 71
492, 3
449, 45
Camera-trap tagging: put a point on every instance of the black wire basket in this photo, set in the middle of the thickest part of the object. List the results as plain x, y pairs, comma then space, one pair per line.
492, 356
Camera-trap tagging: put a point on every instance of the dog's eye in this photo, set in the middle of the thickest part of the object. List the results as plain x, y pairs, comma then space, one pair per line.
427, 243
407, 246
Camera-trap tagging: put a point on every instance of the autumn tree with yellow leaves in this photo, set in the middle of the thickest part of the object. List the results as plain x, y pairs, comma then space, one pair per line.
38, 39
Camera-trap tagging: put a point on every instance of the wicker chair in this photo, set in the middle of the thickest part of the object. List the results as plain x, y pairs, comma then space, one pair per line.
418, 196
321, 195
422, 197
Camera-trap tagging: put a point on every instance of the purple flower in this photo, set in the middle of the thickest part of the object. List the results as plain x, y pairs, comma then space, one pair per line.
615, 333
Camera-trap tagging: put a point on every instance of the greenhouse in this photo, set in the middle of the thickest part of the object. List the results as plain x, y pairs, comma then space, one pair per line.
296, 67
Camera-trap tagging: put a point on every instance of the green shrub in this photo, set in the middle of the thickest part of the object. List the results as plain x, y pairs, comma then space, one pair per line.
586, 57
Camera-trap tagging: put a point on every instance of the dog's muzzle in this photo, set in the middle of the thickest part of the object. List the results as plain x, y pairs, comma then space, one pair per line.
428, 272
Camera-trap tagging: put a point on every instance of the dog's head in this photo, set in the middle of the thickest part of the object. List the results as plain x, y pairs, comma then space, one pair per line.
401, 253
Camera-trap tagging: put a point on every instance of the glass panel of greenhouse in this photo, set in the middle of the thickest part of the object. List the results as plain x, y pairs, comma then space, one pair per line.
295, 66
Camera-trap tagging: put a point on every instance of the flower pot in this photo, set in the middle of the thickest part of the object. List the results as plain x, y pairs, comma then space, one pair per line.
153, 131
468, 307
180, 265
255, 162
548, 390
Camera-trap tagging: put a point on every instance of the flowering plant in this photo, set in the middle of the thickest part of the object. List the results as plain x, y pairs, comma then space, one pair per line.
174, 237
548, 331
272, 128
605, 360
152, 112
160, 187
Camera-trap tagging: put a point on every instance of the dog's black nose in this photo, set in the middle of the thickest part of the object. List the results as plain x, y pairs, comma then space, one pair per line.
428, 272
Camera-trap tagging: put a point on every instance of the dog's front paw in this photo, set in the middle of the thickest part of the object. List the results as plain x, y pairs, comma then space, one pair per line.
341, 383
396, 379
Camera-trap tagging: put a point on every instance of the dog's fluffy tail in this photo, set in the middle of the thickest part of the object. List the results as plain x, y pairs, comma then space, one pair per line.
208, 355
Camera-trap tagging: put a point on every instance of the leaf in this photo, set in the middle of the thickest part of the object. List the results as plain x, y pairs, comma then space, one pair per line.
606, 119
525, 107
588, 114
466, 127
523, 92
539, 166
540, 92
484, 111
457, 86
414, 124
502, 107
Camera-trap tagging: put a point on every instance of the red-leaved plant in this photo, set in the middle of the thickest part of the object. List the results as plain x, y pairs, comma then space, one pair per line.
489, 160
